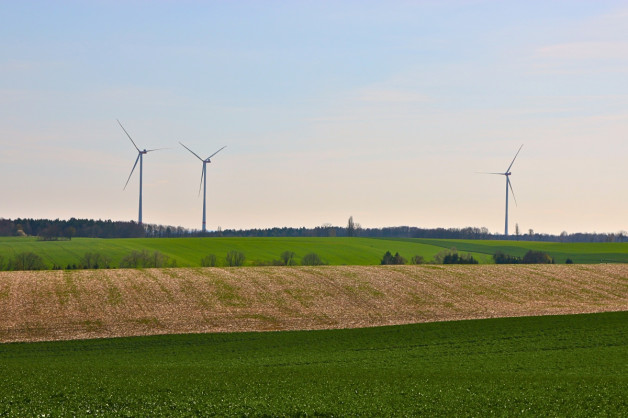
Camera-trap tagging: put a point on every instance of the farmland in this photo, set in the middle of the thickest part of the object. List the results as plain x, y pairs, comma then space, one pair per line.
187, 252
587, 253
51, 305
536, 366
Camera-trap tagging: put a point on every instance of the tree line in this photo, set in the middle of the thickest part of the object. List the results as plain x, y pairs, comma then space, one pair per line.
90, 228
67, 229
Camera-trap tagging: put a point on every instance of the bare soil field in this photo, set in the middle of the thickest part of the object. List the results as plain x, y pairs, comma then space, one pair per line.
59, 305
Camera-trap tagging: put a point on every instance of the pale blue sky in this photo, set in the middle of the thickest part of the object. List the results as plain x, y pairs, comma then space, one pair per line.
380, 110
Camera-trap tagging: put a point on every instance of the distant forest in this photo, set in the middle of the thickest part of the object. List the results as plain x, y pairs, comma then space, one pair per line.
47, 229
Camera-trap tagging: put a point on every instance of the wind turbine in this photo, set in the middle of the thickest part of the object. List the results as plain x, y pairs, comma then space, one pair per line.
508, 185
203, 179
140, 155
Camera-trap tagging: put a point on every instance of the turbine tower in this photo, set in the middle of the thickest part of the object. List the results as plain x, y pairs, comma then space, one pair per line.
140, 155
507, 173
203, 180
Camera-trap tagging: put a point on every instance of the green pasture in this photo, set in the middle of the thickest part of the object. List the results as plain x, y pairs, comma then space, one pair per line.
537, 366
187, 252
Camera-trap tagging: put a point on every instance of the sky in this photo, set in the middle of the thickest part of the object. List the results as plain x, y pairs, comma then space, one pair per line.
384, 111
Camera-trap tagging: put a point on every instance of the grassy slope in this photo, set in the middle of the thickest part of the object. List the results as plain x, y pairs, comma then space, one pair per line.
589, 253
539, 366
189, 251
336, 251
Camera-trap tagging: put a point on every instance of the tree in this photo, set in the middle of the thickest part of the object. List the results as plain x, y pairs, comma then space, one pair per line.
452, 257
311, 259
144, 259
26, 261
440, 257
417, 259
235, 258
95, 261
398, 259
209, 261
537, 257
455, 258
69, 232
388, 258
287, 258
350, 227
133, 260
501, 258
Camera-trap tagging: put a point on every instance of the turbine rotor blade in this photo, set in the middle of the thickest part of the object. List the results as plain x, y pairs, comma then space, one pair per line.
127, 134
217, 152
195, 154
511, 190
483, 172
133, 169
156, 149
513, 160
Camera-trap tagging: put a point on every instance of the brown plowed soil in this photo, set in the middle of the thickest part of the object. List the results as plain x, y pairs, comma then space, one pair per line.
59, 305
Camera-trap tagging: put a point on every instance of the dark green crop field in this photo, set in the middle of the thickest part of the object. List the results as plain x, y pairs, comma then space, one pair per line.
187, 252
536, 366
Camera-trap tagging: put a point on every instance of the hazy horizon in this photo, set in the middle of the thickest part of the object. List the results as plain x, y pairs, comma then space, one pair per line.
380, 111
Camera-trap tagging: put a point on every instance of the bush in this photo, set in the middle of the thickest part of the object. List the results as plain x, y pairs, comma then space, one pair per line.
235, 258
569, 261
417, 259
537, 257
392, 259
26, 261
287, 258
209, 260
311, 259
502, 258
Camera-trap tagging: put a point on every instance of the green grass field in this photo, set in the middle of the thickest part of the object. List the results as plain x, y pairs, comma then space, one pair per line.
590, 253
189, 251
336, 251
536, 366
